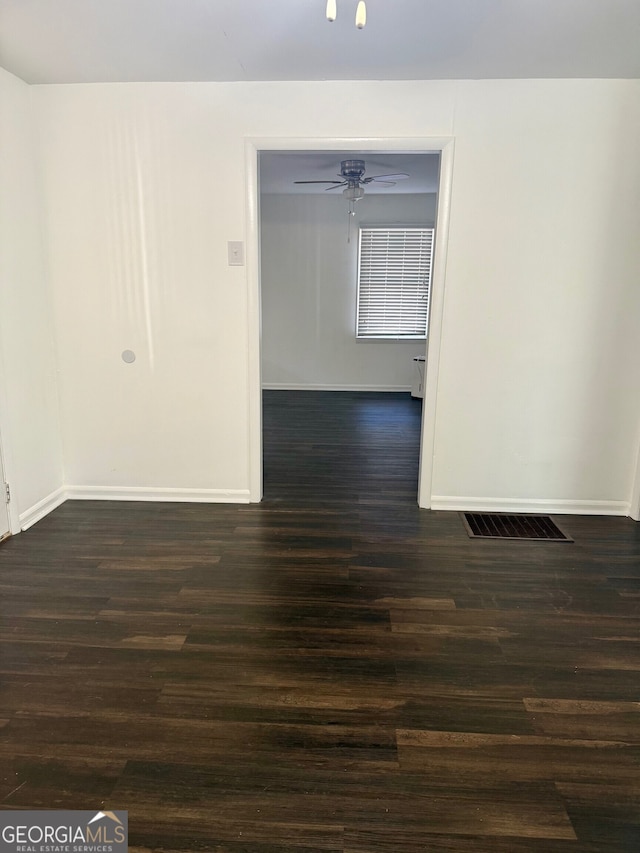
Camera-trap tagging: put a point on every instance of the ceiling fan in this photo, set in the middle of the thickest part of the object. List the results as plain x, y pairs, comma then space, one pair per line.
351, 178
353, 182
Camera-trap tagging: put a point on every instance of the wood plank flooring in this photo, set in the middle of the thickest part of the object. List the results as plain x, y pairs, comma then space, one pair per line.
332, 670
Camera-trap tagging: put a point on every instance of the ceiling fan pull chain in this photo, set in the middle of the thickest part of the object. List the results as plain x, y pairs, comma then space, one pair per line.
361, 12
350, 214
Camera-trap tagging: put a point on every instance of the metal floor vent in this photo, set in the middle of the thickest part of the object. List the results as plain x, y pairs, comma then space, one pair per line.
500, 526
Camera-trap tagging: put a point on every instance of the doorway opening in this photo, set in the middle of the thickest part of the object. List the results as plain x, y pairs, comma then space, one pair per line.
303, 254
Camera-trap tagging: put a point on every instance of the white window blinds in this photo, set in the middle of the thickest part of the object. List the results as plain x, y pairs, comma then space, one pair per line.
394, 279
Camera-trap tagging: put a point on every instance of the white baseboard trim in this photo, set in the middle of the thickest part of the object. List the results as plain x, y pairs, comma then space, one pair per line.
554, 507
144, 493
438, 502
292, 386
128, 493
32, 515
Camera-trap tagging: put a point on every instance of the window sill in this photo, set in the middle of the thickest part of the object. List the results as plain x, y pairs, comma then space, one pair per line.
389, 339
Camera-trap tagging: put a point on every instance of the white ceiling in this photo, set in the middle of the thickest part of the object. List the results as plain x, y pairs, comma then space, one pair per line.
279, 170
86, 41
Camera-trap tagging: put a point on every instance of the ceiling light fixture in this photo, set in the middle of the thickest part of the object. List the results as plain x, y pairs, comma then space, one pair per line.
353, 193
361, 12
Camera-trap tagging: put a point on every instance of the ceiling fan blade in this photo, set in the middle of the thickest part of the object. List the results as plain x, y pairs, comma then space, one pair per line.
317, 182
385, 183
337, 186
399, 177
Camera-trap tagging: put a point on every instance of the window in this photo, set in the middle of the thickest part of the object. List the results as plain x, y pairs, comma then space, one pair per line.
394, 279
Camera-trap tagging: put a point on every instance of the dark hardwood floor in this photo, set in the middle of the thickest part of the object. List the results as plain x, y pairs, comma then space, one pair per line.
331, 670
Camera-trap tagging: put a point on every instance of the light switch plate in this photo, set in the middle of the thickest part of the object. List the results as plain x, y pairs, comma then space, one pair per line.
235, 249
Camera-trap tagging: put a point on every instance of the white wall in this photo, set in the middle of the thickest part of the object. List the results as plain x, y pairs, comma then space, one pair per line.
537, 397
29, 408
308, 282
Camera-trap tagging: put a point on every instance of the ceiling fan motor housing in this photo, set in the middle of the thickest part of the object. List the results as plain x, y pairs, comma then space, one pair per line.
352, 170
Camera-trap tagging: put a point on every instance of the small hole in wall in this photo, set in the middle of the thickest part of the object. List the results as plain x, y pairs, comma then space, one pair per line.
128, 356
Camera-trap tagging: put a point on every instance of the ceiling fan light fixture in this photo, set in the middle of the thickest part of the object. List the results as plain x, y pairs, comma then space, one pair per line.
332, 10
361, 15
353, 193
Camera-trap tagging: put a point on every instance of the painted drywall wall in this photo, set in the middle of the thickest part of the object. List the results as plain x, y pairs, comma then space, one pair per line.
145, 184
309, 283
29, 423
538, 399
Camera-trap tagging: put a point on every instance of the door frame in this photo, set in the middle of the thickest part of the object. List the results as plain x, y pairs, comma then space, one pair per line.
388, 145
